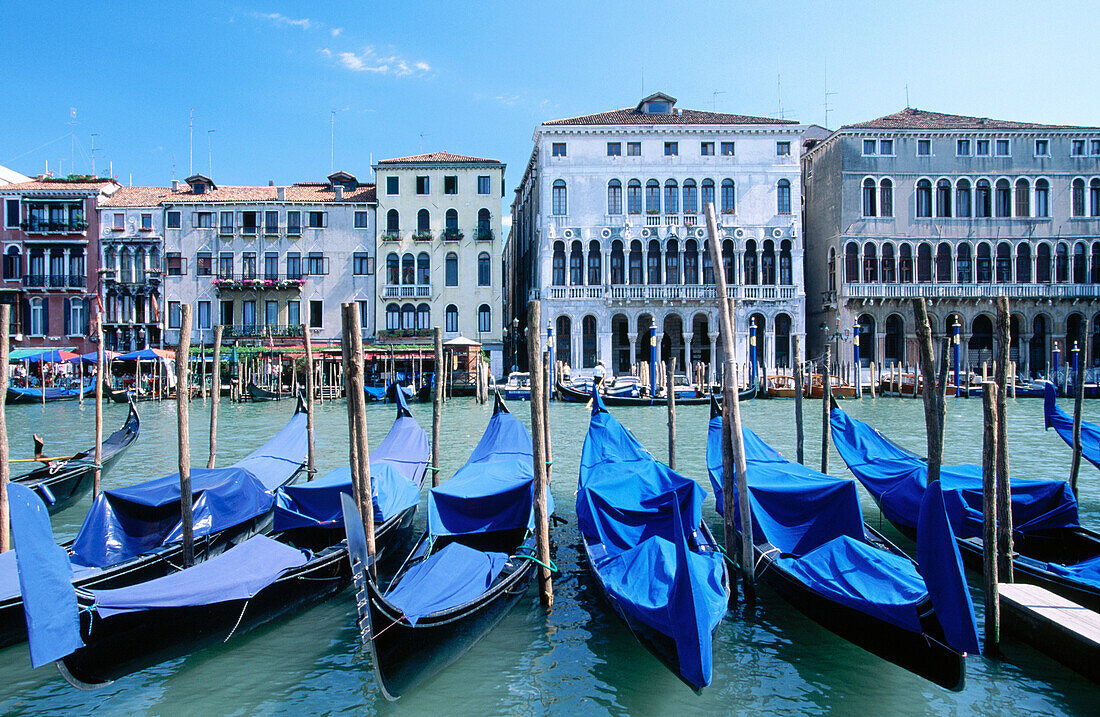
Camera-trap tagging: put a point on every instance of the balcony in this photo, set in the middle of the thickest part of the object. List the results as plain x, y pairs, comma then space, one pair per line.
258, 282
669, 292
575, 292
37, 226
407, 291
54, 281
245, 331
387, 334
422, 236
391, 235
970, 291
294, 231
452, 235
484, 235
224, 230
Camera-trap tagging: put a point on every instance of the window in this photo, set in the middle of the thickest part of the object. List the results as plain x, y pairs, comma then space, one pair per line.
393, 317
450, 316
293, 313
614, 197
316, 264
225, 226
962, 148
634, 197
962, 198
392, 185
203, 220
422, 185
652, 197
204, 264
484, 269
271, 222
146, 221
39, 319
557, 149
1023, 198
924, 199
886, 147
119, 221
1042, 198
423, 316
633, 149
558, 194
1078, 200
595, 275
672, 149
227, 312
12, 263
1002, 200
886, 198
1094, 198
982, 146
618, 277
175, 263
361, 220
983, 199
558, 265
614, 149
708, 192
727, 149
672, 197
204, 314
174, 317
484, 224
706, 149
393, 269
1077, 148
783, 197
1003, 149
782, 149
248, 265
1094, 146
408, 269
870, 192
225, 265
450, 269
576, 264
294, 265
423, 269
316, 313
294, 222
1042, 148
484, 184
250, 222
360, 263
869, 146
985, 264
484, 319
271, 265
943, 198
11, 213
450, 184
924, 147
172, 220
691, 197
423, 223
653, 262
393, 222
729, 197
271, 313
317, 220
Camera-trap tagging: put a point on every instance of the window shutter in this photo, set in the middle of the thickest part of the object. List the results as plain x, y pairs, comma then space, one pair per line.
46, 316
25, 311
67, 315
87, 316
194, 219
324, 219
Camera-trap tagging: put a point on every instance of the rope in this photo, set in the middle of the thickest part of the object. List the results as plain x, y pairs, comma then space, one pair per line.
387, 627
551, 567
434, 470
239, 618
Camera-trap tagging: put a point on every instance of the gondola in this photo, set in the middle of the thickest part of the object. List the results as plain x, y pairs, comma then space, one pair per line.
260, 580
387, 393
133, 534
1062, 423
812, 546
53, 393
464, 574
256, 393
648, 549
1051, 548
573, 395
62, 483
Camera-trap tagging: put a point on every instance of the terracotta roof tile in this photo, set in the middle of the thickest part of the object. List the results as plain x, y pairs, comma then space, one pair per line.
136, 197
57, 185
913, 118
438, 158
303, 192
632, 115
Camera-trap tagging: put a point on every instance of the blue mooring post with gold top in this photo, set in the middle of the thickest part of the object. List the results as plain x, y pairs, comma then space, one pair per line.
752, 352
955, 327
855, 358
653, 362
1054, 365
1075, 352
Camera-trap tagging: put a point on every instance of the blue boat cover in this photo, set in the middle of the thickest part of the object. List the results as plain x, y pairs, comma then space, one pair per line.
897, 478
636, 516
45, 579
454, 576
494, 490
237, 574
126, 522
52, 392
397, 467
1087, 571
1062, 423
375, 392
941, 565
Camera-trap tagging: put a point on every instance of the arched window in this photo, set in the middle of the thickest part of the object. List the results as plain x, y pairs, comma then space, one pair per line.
924, 262
393, 317
870, 263
39, 320
729, 197
588, 342
943, 263
749, 262
962, 198
1094, 275
672, 197
618, 269
423, 222
886, 197
783, 197
484, 319
1023, 263
943, 198
1042, 198
783, 341
691, 197
708, 265
653, 262
728, 265
767, 263
894, 343
851, 263
708, 193
393, 269
1023, 198
963, 268
558, 266
484, 224
450, 319
559, 204
1061, 263
832, 269
1042, 263
637, 274
484, 269
983, 199
1094, 197
652, 197
450, 269
786, 274
13, 263
393, 222
408, 316
1002, 199
634, 197
985, 264
564, 339
1078, 203
672, 262
450, 223
614, 197
1080, 263
423, 269
870, 192
1004, 263
423, 316
691, 262
595, 274
576, 264
408, 269
889, 271
924, 199
905, 263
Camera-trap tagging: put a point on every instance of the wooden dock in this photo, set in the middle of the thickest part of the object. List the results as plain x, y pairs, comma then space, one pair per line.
1052, 624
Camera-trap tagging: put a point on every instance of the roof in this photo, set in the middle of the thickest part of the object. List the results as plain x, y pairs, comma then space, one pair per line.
438, 158
10, 176
59, 185
136, 197
913, 118
634, 115
303, 192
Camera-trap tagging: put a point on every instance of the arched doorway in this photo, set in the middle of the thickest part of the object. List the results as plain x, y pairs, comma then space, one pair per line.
866, 339
894, 344
700, 339
641, 349
672, 343
620, 344
563, 344
782, 341
1040, 328
761, 324
588, 342
980, 346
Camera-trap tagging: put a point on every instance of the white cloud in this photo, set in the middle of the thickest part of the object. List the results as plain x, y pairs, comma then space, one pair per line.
336, 31
369, 60
280, 19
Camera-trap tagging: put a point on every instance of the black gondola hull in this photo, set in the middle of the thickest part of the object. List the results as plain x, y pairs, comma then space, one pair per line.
572, 395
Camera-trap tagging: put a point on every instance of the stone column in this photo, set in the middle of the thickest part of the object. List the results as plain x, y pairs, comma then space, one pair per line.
603, 349
713, 372
632, 338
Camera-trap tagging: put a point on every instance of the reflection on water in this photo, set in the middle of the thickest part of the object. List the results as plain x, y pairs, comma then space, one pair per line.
579, 659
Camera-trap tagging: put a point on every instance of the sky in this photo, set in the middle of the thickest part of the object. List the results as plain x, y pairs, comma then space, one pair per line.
262, 79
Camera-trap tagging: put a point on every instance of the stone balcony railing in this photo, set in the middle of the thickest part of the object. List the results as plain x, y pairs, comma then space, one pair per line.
668, 292
407, 291
969, 291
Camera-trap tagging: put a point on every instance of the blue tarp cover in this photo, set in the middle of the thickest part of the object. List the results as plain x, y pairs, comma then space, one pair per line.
52, 391
237, 574
454, 576
637, 516
1062, 423
45, 578
376, 392
494, 490
1087, 571
941, 565
897, 479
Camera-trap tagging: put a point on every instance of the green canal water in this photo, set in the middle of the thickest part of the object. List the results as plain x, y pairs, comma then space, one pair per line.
578, 659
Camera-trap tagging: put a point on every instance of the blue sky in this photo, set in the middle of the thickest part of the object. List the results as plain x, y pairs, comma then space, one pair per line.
477, 79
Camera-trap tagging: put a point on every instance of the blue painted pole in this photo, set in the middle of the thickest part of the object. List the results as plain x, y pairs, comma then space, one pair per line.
1054, 366
653, 362
955, 343
855, 355
1075, 364
550, 348
752, 353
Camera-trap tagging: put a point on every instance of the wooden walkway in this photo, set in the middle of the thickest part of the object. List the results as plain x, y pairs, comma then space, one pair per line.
1052, 624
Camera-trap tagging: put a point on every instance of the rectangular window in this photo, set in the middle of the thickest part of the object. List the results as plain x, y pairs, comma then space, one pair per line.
1077, 149
1042, 148
174, 315
361, 219
982, 148
557, 149
172, 219
484, 184
293, 313
316, 313
360, 261
727, 149
250, 222
614, 149
271, 222
886, 147
204, 264
11, 213
271, 265
225, 265
672, 149
227, 312
633, 149
1003, 148
147, 220
450, 184
869, 146
317, 220
924, 148
203, 220
204, 314
248, 265
316, 265
392, 184
782, 149
271, 312
293, 222
1094, 146
248, 312
423, 186
962, 148
174, 263
706, 149
294, 265
364, 314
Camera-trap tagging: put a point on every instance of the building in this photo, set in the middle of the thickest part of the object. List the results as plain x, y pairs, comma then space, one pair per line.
266, 261
10, 176
440, 238
131, 223
50, 246
959, 210
608, 229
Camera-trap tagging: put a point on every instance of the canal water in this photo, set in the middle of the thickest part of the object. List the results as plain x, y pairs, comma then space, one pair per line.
578, 659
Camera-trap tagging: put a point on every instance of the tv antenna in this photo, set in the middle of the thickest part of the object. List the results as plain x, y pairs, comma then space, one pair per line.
92, 151
332, 140
714, 99
210, 150
828, 94
72, 140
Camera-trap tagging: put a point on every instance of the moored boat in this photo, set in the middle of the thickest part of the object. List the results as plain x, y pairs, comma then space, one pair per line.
256, 393
573, 395
1062, 423
52, 393
518, 386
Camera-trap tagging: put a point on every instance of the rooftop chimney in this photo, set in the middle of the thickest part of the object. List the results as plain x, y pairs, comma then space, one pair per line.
271, 182
175, 185
339, 188
280, 194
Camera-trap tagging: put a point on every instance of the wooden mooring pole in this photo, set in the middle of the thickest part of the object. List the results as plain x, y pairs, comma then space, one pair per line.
437, 402
183, 424
1004, 490
670, 399
1078, 402
100, 370
215, 394
826, 395
547, 372
309, 401
359, 445
989, 519
538, 452
799, 437
5, 466
934, 405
